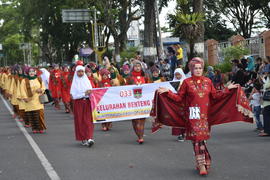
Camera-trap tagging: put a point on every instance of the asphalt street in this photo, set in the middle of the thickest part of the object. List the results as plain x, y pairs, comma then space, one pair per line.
237, 152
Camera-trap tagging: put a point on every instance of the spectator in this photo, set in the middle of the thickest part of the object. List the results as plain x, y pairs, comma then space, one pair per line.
266, 109
165, 69
258, 64
173, 59
255, 101
239, 77
179, 55
218, 80
210, 73
250, 63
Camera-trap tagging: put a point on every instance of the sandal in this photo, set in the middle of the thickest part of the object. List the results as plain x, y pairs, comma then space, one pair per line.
263, 134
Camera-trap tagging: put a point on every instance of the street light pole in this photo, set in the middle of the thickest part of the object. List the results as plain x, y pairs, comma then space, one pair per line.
95, 31
161, 48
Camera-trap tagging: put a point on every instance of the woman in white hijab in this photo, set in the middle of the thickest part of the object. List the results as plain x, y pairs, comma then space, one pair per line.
45, 76
80, 91
179, 75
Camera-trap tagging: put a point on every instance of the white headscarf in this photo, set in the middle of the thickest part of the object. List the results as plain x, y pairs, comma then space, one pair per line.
180, 71
80, 84
45, 76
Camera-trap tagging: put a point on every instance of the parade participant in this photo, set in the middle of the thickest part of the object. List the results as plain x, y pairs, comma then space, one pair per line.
21, 103
116, 78
106, 62
105, 82
125, 73
45, 76
138, 77
156, 76
5, 81
80, 91
66, 80
93, 66
179, 75
79, 63
31, 88
13, 91
197, 94
55, 85
91, 78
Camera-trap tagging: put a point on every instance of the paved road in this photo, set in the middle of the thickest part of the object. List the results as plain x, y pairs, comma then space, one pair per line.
236, 151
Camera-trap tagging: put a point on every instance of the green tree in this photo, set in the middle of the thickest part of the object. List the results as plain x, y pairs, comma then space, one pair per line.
188, 22
117, 15
58, 41
240, 13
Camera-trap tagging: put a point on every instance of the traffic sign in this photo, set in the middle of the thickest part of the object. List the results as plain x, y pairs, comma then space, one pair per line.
1, 47
24, 46
75, 15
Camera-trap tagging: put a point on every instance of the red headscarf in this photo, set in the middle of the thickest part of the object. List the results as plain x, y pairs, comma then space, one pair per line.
194, 61
104, 71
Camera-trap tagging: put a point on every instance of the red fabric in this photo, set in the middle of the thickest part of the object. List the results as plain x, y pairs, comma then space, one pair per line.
39, 72
138, 78
66, 81
105, 83
55, 83
92, 81
84, 126
173, 109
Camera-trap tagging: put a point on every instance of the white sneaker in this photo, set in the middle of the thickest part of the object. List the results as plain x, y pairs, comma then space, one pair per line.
181, 138
90, 142
84, 143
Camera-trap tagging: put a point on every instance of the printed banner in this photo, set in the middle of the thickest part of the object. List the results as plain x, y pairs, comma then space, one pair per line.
125, 102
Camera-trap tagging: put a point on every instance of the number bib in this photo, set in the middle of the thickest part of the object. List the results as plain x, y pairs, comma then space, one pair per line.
194, 113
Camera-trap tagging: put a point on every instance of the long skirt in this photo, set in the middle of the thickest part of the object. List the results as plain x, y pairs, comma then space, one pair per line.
176, 131
16, 110
138, 126
84, 126
36, 119
22, 114
266, 119
202, 155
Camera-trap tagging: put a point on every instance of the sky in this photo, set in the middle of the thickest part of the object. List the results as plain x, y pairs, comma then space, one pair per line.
165, 11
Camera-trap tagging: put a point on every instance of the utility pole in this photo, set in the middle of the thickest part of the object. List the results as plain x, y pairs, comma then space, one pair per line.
96, 36
161, 48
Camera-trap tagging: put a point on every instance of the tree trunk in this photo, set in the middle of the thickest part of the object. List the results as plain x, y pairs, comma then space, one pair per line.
198, 8
150, 52
123, 41
117, 49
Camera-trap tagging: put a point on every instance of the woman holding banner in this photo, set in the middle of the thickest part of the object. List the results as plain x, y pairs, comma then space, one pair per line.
196, 95
105, 82
138, 77
80, 91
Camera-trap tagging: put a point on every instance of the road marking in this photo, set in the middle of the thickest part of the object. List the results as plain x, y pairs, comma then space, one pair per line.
44, 161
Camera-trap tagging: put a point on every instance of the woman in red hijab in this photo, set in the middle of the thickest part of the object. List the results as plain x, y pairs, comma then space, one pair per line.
138, 77
90, 76
66, 81
55, 85
196, 92
105, 82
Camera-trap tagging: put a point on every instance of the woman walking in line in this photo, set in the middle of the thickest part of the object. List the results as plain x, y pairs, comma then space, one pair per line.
80, 91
